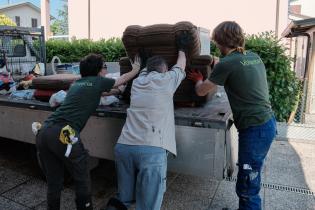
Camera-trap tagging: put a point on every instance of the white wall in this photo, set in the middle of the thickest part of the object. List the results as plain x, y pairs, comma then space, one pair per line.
109, 18
78, 18
26, 14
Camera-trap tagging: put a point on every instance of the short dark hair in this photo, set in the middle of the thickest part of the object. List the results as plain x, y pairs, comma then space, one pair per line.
229, 34
156, 63
91, 65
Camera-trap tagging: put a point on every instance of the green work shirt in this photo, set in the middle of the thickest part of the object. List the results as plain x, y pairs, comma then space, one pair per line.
81, 101
245, 82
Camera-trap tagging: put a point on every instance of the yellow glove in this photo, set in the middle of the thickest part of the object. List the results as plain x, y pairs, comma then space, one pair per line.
66, 134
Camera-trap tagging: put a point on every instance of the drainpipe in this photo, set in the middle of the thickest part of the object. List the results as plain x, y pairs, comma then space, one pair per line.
277, 18
89, 19
45, 17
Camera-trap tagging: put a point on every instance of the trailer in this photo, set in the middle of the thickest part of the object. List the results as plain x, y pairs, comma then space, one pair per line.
205, 136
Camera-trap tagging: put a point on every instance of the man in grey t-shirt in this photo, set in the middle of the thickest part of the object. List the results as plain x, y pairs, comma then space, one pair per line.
148, 134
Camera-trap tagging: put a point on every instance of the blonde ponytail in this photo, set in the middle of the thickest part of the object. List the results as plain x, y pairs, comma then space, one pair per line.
240, 50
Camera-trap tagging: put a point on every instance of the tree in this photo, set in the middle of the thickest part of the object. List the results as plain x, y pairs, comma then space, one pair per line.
4, 20
60, 25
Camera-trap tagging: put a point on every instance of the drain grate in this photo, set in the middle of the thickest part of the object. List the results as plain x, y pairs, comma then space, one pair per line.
279, 187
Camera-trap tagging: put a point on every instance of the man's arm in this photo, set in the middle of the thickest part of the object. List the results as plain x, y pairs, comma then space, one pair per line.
116, 91
183, 41
128, 76
181, 60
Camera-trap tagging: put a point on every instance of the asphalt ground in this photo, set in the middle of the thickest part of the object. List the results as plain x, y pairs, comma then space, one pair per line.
288, 182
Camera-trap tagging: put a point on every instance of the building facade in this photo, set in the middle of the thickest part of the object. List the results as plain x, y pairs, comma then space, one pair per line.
96, 19
301, 9
24, 14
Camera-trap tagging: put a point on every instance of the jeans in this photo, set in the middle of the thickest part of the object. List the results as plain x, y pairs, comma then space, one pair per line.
52, 155
141, 174
254, 144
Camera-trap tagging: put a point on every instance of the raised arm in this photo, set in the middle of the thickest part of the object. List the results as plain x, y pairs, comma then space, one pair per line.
182, 41
181, 60
128, 76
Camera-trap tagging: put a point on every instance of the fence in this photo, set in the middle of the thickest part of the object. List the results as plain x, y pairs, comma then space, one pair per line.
21, 49
299, 126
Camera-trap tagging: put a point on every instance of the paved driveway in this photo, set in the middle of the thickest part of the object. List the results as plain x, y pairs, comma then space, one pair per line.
288, 182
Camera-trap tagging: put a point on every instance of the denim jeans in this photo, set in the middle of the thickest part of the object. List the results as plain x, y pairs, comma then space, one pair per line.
254, 144
141, 174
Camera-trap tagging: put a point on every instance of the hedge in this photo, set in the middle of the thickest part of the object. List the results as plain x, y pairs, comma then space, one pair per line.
69, 52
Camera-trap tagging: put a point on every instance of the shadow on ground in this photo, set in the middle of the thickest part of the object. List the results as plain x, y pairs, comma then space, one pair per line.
289, 164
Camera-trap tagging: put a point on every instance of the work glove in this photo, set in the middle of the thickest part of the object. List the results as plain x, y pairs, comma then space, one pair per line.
144, 55
195, 76
183, 39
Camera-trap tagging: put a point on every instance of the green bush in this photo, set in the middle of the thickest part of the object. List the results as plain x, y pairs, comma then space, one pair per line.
284, 87
68, 52
6, 21
214, 50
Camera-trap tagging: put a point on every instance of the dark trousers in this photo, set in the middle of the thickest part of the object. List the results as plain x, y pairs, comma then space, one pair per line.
254, 144
52, 156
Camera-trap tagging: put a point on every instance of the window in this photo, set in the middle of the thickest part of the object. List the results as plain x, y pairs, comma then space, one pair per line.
34, 22
17, 20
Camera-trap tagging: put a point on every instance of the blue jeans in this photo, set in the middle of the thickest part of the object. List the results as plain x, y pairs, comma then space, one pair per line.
254, 144
141, 174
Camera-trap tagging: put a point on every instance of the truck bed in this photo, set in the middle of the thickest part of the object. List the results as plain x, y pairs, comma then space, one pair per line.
205, 137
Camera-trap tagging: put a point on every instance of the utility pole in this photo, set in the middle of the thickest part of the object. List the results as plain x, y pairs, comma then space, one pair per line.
45, 17
277, 18
89, 19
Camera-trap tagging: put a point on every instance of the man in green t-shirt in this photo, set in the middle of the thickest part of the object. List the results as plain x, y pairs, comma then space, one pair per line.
58, 141
243, 75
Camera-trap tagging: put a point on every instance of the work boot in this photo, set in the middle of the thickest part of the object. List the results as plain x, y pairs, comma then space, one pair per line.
84, 203
115, 204
53, 204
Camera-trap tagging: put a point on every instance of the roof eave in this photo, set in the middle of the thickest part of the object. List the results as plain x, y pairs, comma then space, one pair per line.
298, 27
287, 30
